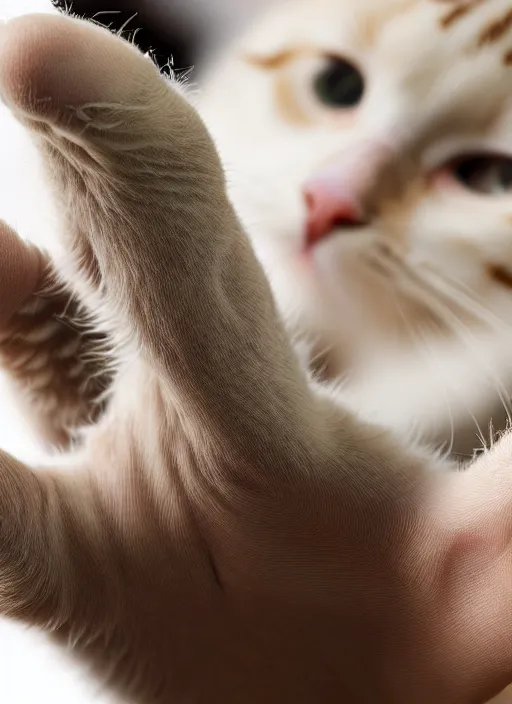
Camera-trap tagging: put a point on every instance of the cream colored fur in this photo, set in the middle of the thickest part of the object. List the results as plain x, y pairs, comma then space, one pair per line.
228, 531
405, 307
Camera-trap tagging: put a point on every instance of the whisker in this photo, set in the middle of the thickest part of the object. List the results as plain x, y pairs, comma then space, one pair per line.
125, 24
443, 287
432, 298
424, 348
427, 351
466, 300
464, 331
422, 345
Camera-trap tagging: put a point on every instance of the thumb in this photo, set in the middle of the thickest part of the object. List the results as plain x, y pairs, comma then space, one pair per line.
21, 268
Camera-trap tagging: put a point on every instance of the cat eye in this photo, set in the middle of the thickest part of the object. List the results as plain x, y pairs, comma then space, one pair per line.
339, 84
487, 175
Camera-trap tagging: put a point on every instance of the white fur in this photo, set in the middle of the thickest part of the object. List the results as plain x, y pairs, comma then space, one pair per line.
421, 80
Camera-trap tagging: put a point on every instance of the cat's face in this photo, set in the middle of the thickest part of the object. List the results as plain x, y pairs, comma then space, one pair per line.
369, 149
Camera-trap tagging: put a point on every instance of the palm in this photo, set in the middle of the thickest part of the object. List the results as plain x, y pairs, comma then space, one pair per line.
227, 533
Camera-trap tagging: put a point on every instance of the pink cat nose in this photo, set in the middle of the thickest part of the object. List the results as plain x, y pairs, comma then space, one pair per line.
327, 210
345, 189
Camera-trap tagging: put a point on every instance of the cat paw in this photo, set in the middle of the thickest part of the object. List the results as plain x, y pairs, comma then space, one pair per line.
73, 83
51, 64
20, 272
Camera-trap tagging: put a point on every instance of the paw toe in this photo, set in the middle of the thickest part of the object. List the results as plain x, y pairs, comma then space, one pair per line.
20, 270
48, 63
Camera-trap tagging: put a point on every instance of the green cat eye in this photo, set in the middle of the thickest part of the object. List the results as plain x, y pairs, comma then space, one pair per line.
485, 174
339, 84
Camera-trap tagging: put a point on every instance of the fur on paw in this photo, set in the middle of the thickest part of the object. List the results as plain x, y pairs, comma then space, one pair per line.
20, 271
51, 64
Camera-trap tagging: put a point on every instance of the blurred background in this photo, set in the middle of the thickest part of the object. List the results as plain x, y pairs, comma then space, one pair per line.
181, 30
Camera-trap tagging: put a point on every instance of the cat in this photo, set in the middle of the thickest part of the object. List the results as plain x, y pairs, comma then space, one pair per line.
200, 522
371, 161
396, 279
